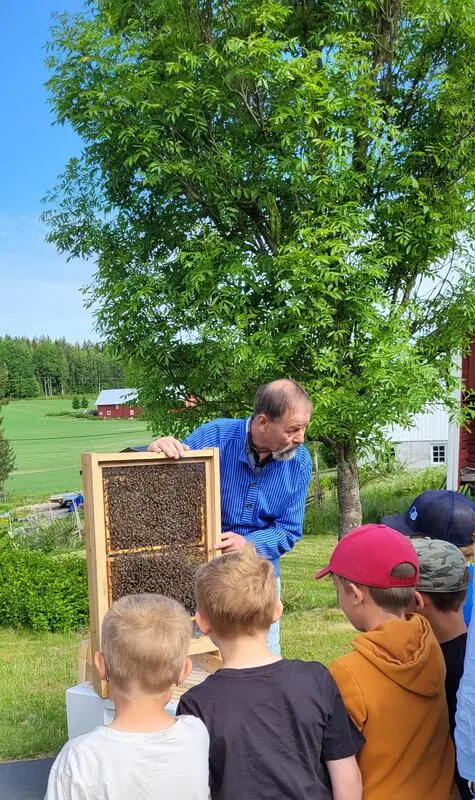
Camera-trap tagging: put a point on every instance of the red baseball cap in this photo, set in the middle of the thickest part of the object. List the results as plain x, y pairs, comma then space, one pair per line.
368, 555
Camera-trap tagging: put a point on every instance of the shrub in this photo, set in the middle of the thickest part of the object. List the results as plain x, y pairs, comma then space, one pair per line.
59, 535
84, 402
76, 402
41, 591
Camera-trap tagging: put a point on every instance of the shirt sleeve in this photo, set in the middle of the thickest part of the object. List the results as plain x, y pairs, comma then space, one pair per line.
279, 538
350, 692
465, 714
61, 786
206, 435
341, 737
187, 705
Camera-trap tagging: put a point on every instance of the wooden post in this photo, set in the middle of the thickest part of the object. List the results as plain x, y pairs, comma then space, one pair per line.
317, 487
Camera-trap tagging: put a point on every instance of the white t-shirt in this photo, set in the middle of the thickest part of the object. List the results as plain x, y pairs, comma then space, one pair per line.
106, 764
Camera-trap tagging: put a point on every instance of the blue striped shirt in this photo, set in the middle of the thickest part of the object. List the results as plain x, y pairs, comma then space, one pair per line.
265, 505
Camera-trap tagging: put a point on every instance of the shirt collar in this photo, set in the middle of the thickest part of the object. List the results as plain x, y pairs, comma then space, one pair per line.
251, 452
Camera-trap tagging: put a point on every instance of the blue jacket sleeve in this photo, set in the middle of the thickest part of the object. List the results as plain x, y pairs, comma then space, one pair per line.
465, 714
275, 540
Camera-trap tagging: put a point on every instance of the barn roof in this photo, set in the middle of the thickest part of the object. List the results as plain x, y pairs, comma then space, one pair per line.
112, 397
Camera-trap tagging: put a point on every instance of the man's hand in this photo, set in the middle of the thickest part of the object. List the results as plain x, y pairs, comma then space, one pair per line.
169, 446
230, 541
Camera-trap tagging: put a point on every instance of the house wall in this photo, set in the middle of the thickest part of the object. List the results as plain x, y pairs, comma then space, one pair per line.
431, 425
417, 455
117, 410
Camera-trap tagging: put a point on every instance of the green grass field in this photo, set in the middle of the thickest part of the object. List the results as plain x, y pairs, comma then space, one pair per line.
48, 449
37, 668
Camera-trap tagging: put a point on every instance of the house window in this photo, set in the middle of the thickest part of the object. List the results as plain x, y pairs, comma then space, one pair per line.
109, 413
438, 454
131, 412
117, 406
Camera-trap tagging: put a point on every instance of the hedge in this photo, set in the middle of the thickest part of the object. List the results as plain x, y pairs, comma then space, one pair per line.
42, 591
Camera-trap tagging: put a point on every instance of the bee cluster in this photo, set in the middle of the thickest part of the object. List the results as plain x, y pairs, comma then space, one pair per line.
155, 529
154, 505
169, 572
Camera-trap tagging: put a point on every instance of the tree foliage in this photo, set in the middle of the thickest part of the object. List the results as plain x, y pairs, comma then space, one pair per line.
55, 367
275, 187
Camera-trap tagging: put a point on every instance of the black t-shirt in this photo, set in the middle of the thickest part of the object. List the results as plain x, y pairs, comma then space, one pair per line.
454, 655
272, 729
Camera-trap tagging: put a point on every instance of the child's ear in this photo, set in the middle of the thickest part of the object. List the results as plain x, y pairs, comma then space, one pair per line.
187, 667
100, 664
357, 595
278, 611
203, 623
419, 602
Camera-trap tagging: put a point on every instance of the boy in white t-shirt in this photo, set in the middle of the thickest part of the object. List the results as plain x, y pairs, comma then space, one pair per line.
144, 754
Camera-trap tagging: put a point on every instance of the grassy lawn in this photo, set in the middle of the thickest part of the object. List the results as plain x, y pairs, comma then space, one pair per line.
36, 669
48, 449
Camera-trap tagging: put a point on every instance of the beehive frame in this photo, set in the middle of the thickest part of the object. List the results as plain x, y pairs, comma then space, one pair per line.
98, 556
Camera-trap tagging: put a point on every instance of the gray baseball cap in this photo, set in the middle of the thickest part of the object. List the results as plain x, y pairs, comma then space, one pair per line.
442, 567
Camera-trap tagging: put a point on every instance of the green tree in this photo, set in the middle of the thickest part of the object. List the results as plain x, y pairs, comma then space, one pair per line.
275, 187
3, 381
48, 364
7, 460
15, 353
76, 402
84, 402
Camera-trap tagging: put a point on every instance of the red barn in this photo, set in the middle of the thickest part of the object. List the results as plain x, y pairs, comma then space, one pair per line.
466, 459
117, 403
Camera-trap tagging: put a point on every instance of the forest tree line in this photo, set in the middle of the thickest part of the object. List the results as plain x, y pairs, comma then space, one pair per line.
31, 367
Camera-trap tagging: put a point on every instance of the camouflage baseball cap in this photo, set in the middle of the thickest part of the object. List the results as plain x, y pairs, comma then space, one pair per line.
442, 567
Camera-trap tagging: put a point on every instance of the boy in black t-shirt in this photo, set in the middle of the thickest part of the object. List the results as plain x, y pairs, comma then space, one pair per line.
441, 591
278, 728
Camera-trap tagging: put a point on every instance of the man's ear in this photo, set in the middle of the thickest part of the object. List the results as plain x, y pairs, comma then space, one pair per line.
261, 421
278, 611
187, 667
203, 623
100, 664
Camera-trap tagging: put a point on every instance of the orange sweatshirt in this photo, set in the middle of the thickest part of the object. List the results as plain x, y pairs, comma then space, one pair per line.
392, 685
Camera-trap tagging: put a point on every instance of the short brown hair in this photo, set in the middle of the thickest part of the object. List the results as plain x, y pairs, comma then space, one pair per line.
237, 592
145, 641
396, 598
275, 398
447, 601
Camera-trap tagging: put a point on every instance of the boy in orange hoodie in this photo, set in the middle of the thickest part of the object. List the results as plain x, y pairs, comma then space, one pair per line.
392, 683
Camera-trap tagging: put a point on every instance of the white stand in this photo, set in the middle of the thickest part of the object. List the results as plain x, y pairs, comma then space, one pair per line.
85, 710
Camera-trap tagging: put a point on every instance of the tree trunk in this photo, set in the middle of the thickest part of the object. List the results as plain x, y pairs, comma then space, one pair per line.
349, 503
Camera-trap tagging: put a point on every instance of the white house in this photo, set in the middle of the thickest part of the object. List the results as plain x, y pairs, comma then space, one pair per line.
425, 443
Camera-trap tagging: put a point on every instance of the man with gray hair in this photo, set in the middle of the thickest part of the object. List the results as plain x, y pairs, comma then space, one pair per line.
265, 472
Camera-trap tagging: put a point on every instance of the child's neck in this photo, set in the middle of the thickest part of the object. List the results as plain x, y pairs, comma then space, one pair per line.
447, 625
246, 652
140, 713
376, 616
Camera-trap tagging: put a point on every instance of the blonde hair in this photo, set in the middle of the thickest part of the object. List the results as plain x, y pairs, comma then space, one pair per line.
237, 592
145, 641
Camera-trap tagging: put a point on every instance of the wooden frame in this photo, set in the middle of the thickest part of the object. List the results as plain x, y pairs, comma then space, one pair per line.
97, 539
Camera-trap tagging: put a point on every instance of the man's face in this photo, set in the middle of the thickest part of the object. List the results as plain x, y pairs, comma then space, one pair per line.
285, 434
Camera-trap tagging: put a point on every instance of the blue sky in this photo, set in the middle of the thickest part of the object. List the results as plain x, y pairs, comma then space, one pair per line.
40, 293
